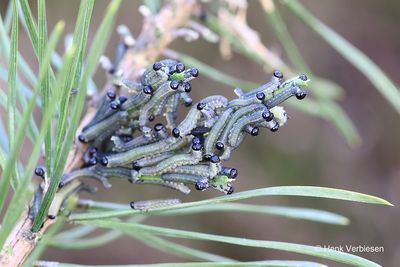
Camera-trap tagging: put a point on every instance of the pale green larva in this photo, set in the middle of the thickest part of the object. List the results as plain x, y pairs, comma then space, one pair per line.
218, 127
146, 205
95, 130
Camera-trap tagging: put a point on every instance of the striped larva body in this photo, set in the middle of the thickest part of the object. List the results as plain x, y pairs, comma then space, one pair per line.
185, 99
152, 160
211, 110
102, 109
37, 200
190, 121
105, 135
136, 101
146, 205
283, 94
159, 147
181, 177
171, 163
223, 138
243, 102
207, 106
266, 88
238, 127
155, 78
216, 130
158, 110
133, 87
158, 181
196, 170
166, 90
82, 173
216, 102
171, 106
95, 130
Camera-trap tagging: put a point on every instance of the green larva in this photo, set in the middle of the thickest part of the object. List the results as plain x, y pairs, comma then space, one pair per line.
92, 132
158, 181
171, 163
216, 130
238, 127
146, 205
181, 177
159, 147
223, 138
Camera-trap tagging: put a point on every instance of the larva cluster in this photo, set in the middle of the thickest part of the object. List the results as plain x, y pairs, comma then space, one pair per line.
126, 140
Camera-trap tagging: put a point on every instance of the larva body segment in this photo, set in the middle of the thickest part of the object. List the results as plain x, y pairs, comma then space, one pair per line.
181, 177
243, 102
238, 127
185, 99
132, 87
82, 173
266, 88
155, 78
196, 170
100, 139
216, 102
37, 200
216, 130
101, 112
223, 138
283, 94
190, 121
146, 205
159, 147
136, 101
171, 105
152, 160
163, 92
158, 181
171, 163
120, 146
95, 130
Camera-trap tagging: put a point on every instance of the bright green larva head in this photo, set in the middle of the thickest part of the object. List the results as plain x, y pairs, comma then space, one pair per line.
177, 76
302, 80
222, 183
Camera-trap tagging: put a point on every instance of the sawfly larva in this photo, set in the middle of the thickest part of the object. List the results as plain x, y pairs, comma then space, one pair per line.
145, 205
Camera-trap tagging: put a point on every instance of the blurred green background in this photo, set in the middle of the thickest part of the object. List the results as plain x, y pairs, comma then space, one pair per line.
307, 151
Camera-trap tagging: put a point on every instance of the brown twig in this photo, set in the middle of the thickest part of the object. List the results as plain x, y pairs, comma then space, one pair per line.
156, 34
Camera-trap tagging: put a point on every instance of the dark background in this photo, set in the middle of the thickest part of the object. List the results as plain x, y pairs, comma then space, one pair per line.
307, 151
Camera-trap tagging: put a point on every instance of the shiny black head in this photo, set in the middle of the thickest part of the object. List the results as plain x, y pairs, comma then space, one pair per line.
176, 133
174, 85
202, 184
278, 74
260, 96
157, 66
147, 90
194, 72
158, 127
39, 171
268, 115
